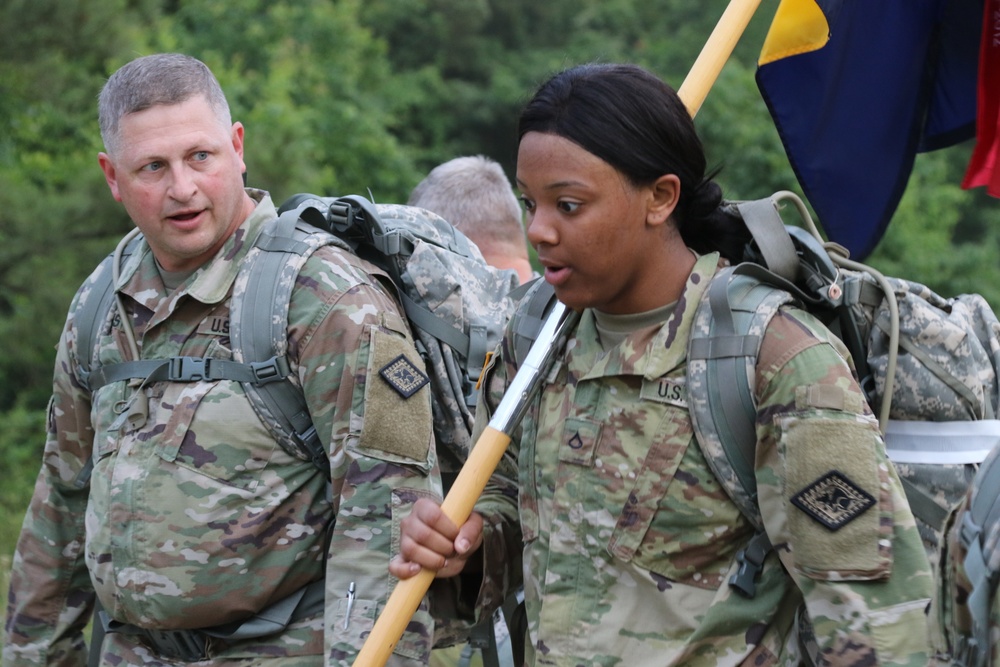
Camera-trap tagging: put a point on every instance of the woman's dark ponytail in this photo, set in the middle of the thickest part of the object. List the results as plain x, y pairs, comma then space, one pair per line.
707, 225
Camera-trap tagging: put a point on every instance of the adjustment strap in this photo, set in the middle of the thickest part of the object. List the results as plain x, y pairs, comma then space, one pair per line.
191, 369
764, 222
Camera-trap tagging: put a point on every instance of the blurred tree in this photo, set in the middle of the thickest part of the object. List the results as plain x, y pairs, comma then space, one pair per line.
311, 85
56, 218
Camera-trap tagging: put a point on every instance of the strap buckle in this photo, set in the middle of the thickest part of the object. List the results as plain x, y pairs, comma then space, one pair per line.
185, 645
967, 652
188, 369
272, 370
751, 560
969, 531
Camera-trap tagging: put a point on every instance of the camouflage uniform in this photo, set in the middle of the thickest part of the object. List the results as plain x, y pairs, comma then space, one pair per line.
628, 540
958, 602
197, 517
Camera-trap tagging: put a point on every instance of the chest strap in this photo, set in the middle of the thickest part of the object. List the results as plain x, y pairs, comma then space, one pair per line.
190, 369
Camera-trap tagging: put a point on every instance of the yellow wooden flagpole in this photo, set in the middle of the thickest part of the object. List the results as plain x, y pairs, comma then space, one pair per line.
715, 53
493, 442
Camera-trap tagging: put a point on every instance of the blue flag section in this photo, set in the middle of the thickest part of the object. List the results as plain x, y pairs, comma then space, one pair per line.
856, 88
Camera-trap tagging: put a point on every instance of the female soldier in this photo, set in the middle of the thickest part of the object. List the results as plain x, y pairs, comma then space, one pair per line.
627, 539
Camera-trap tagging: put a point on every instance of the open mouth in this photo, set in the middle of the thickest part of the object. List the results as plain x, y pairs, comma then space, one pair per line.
556, 275
184, 217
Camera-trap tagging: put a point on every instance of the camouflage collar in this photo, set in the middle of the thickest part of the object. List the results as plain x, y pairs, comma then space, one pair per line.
212, 282
663, 354
652, 357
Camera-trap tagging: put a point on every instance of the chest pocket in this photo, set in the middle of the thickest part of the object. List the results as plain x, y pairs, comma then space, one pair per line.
677, 521
211, 429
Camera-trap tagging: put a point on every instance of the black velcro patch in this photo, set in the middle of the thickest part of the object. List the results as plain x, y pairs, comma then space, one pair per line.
833, 500
403, 376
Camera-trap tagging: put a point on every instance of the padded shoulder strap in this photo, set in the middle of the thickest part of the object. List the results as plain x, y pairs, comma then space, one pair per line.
721, 374
92, 312
762, 218
259, 330
535, 299
725, 342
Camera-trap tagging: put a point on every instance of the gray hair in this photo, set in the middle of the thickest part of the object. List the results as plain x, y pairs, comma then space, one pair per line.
474, 195
165, 78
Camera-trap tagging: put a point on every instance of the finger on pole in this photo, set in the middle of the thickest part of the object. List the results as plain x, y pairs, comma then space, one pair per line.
457, 506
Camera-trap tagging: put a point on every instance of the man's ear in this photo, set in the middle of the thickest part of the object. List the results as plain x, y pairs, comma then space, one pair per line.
665, 192
110, 174
236, 136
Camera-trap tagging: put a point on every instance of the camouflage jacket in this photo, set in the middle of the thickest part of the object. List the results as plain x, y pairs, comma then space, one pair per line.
958, 606
628, 540
197, 517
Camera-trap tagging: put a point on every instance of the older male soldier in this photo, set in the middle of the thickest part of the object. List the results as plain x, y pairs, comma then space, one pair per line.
204, 539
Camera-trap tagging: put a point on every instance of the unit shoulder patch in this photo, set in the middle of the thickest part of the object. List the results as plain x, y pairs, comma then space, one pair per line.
403, 376
833, 500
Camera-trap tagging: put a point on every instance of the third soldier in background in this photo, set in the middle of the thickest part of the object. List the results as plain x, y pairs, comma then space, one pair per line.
473, 193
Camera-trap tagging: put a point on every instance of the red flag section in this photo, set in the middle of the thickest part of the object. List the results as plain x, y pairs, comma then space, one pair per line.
984, 166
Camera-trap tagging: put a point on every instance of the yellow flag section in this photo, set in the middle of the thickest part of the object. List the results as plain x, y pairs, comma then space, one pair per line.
799, 26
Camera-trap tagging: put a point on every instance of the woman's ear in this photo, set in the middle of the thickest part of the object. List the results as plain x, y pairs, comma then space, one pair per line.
665, 192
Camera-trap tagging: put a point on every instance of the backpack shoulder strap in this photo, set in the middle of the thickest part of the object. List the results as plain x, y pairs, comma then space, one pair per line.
722, 356
535, 299
92, 313
725, 341
259, 331
259, 313
728, 329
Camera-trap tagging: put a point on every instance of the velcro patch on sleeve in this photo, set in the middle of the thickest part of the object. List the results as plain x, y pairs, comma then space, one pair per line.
397, 409
828, 397
838, 505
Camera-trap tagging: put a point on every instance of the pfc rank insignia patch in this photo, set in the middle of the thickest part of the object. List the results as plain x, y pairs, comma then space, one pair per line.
403, 376
833, 500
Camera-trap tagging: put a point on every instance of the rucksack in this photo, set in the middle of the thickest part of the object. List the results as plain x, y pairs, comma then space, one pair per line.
457, 306
928, 365
937, 357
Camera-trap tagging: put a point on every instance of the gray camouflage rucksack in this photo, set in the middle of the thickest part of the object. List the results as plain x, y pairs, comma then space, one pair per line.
928, 365
456, 303
939, 356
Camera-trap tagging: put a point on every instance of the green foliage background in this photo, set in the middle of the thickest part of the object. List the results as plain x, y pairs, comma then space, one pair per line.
345, 96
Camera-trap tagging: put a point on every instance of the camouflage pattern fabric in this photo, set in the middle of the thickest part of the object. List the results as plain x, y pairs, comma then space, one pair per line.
628, 540
446, 273
196, 517
967, 605
946, 371
949, 608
